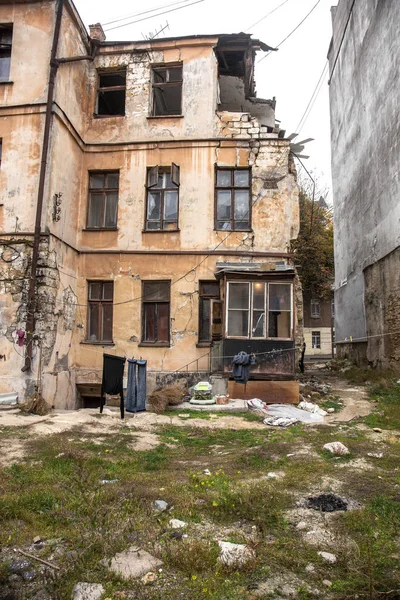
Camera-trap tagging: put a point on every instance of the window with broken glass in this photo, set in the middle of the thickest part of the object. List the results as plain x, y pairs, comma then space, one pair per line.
210, 313
111, 93
103, 200
155, 313
5, 51
162, 206
100, 311
167, 90
232, 197
259, 310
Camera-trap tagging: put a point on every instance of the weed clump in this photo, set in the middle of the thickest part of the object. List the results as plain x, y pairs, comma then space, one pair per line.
159, 400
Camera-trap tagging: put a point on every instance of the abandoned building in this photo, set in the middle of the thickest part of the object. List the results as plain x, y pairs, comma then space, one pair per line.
364, 60
148, 200
318, 316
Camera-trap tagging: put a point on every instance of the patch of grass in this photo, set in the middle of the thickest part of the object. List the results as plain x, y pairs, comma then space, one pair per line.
191, 557
386, 413
359, 376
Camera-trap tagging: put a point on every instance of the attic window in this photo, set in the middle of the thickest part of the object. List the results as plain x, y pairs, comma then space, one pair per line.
5, 51
167, 90
111, 93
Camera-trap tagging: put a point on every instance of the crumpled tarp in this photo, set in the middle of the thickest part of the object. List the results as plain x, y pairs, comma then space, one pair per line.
283, 415
312, 408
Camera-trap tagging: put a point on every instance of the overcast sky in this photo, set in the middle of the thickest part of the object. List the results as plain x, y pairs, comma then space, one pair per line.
290, 74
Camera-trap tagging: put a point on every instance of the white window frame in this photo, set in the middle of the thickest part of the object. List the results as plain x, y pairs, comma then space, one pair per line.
315, 334
250, 309
315, 303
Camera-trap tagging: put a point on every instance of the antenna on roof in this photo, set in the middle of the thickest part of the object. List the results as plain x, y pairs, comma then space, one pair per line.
152, 36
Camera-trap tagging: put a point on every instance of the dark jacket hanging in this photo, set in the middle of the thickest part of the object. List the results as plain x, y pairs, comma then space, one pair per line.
113, 379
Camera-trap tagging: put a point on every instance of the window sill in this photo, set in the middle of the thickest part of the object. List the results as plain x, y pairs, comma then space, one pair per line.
90, 343
6, 82
100, 229
160, 230
204, 345
234, 230
107, 116
165, 117
154, 345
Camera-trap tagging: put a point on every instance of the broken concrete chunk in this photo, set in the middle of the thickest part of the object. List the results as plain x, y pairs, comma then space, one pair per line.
37, 539
377, 430
87, 591
330, 558
337, 448
330, 410
133, 563
327, 582
234, 554
375, 454
161, 505
177, 524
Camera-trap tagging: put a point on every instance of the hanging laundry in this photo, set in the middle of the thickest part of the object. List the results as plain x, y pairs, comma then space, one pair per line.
136, 386
20, 337
241, 366
113, 377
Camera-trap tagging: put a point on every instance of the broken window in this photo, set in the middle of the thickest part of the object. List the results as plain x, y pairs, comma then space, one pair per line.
167, 90
155, 312
5, 51
100, 311
315, 308
210, 312
111, 93
233, 209
103, 200
316, 339
162, 204
259, 310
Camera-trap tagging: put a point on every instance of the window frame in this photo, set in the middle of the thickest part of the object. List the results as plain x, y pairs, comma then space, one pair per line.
315, 302
154, 172
100, 303
9, 27
167, 66
156, 343
102, 191
317, 335
231, 189
213, 299
250, 310
115, 88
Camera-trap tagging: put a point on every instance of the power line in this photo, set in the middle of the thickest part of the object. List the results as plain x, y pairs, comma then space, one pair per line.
152, 16
265, 16
341, 41
293, 30
311, 102
145, 12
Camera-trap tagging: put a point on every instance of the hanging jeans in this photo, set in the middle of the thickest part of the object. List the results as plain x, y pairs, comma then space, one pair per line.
136, 387
113, 379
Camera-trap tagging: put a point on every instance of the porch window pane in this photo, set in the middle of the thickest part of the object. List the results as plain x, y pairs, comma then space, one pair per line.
239, 295
279, 296
279, 310
238, 323
279, 324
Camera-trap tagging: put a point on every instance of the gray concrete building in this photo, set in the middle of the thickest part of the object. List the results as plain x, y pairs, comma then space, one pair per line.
364, 61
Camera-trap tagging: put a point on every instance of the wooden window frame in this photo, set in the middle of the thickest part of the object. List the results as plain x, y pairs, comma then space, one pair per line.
231, 188
7, 48
105, 89
151, 182
100, 303
214, 298
156, 343
102, 191
154, 85
250, 336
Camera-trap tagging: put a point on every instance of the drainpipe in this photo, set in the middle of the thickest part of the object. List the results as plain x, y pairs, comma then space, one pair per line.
31, 303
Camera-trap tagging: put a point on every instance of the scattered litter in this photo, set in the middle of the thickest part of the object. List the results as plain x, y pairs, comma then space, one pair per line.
330, 558
177, 524
184, 416
375, 454
161, 505
272, 475
291, 454
312, 408
149, 578
61, 454
377, 430
337, 448
105, 481
330, 410
37, 539
257, 404
326, 503
234, 554
290, 415
327, 582
201, 393
207, 472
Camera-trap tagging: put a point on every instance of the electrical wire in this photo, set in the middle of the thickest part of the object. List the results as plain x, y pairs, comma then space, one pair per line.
341, 41
165, 12
312, 100
292, 32
265, 16
144, 12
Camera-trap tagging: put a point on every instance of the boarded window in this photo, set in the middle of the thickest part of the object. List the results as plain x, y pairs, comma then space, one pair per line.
167, 90
100, 311
315, 308
316, 339
232, 199
5, 51
111, 93
155, 312
210, 312
259, 310
103, 200
162, 205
